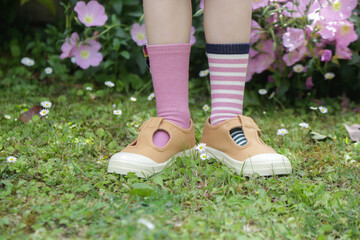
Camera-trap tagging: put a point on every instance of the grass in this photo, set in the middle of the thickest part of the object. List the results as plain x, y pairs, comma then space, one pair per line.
59, 188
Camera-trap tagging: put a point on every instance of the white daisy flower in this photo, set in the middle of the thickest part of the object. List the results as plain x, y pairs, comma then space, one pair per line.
298, 68
201, 147
204, 73
151, 96
27, 61
206, 107
264, 112
114, 105
110, 84
146, 223
73, 60
48, 70
15, 119
89, 88
323, 109
282, 132
313, 108
304, 125
133, 99
46, 104
329, 75
7, 117
44, 112
11, 159
117, 112
204, 156
262, 91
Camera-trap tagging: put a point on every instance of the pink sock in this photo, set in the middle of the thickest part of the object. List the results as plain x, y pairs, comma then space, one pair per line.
169, 66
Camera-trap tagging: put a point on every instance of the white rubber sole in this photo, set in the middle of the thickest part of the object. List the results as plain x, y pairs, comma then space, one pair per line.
123, 163
268, 164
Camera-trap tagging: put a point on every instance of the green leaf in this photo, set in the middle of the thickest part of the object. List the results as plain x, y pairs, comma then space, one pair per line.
49, 4
14, 48
116, 44
198, 13
100, 132
141, 189
22, 2
135, 81
159, 180
125, 54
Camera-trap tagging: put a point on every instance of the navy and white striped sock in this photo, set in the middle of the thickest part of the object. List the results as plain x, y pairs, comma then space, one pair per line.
238, 136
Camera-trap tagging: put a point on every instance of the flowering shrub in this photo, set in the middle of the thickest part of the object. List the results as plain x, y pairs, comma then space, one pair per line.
289, 34
298, 47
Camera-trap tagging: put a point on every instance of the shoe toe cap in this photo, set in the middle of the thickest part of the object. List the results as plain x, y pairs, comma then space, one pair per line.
132, 158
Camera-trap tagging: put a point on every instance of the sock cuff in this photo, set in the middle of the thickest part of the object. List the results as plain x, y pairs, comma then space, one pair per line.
233, 48
159, 49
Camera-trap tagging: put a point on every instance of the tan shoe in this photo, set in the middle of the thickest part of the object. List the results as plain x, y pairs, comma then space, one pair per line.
253, 157
144, 158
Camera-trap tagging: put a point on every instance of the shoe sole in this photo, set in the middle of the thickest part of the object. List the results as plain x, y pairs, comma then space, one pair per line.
264, 164
143, 170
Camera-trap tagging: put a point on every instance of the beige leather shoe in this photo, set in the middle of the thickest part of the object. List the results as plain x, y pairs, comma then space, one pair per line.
144, 158
254, 157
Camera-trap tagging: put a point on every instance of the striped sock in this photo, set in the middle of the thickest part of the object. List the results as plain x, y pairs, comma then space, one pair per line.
228, 67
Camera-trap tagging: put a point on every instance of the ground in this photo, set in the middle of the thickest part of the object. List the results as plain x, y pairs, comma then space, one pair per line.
59, 188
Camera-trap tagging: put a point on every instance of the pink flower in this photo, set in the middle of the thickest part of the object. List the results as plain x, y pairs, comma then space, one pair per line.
87, 54
259, 3
201, 4
255, 32
299, 8
343, 52
263, 60
338, 9
92, 14
138, 34
309, 83
69, 45
326, 56
293, 38
192, 37
295, 56
345, 33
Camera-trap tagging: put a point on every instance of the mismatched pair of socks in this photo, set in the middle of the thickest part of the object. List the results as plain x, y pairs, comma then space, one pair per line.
170, 73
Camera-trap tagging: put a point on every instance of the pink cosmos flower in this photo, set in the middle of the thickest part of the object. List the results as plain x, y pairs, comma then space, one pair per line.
138, 34
293, 38
345, 33
69, 45
338, 9
192, 37
87, 54
309, 83
326, 56
299, 8
259, 3
91, 14
202, 4
343, 52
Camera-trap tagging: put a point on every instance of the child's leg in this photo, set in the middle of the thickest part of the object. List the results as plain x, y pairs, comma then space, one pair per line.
168, 26
227, 30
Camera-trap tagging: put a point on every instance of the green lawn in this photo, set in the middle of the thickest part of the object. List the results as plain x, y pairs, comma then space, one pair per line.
59, 189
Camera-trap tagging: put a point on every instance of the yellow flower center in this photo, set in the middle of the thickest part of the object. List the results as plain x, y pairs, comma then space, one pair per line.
345, 29
337, 6
141, 36
88, 18
85, 54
